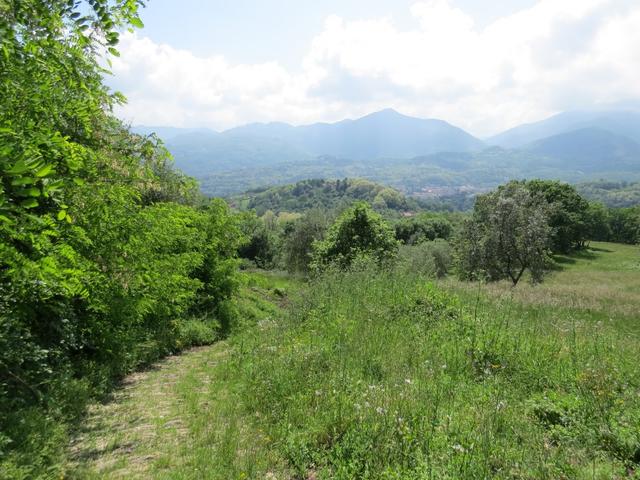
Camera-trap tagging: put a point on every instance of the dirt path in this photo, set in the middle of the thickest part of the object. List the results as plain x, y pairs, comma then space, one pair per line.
149, 420
185, 417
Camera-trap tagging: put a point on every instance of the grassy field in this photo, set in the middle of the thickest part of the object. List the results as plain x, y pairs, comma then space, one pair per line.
388, 375
602, 283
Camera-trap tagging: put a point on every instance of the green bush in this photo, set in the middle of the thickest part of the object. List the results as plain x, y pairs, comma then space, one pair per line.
431, 259
196, 332
358, 232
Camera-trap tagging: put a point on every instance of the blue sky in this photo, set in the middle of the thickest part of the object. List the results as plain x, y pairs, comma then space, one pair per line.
482, 65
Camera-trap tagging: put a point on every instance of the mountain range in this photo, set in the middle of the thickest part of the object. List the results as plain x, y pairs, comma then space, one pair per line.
386, 145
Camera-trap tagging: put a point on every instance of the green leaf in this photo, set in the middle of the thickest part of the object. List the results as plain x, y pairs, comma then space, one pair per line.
136, 22
62, 214
29, 203
44, 171
114, 52
19, 167
78, 181
21, 181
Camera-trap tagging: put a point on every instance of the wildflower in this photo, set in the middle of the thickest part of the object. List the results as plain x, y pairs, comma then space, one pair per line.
408, 381
459, 448
380, 410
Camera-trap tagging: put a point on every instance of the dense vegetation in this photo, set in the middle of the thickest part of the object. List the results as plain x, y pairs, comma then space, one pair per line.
382, 375
323, 194
612, 194
108, 257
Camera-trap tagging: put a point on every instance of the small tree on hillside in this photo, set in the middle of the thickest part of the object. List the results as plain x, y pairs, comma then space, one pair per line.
298, 243
359, 231
507, 235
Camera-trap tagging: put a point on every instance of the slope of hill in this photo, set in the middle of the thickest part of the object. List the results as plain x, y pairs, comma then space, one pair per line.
205, 153
612, 194
325, 194
619, 122
447, 172
588, 150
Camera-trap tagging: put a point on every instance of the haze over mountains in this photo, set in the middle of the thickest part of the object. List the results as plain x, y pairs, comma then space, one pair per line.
409, 153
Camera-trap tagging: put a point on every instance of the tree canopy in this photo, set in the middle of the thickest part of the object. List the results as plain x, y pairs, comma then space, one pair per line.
507, 235
358, 232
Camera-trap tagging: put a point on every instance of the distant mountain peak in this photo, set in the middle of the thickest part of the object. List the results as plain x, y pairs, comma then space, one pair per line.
386, 112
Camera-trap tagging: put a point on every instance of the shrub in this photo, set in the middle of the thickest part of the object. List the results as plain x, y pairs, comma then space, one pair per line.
358, 232
298, 243
432, 259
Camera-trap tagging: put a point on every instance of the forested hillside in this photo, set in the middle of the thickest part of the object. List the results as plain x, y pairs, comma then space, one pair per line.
323, 194
612, 194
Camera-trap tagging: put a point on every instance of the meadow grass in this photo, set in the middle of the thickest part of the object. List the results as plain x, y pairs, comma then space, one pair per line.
388, 375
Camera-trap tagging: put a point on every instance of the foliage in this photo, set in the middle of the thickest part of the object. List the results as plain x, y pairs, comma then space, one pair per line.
260, 246
424, 226
508, 234
613, 194
625, 225
568, 217
359, 231
299, 240
106, 252
322, 194
431, 259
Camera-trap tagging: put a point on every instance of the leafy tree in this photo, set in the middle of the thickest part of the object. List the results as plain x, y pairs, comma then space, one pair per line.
260, 240
424, 226
625, 225
298, 242
568, 216
507, 235
359, 231
598, 222
430, 258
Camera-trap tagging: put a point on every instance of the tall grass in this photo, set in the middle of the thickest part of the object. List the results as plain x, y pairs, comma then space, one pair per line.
385, 375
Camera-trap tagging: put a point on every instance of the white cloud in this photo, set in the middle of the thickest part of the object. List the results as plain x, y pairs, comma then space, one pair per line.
557, 55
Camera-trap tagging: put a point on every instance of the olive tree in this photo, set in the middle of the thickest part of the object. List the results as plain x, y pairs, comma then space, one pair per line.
507, 235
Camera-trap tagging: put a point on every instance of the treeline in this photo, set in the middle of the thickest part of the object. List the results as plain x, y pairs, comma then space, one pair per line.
515, 229
611, 194
109, 258
288, 241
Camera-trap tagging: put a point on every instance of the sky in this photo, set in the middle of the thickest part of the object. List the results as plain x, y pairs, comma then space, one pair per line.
482, 65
